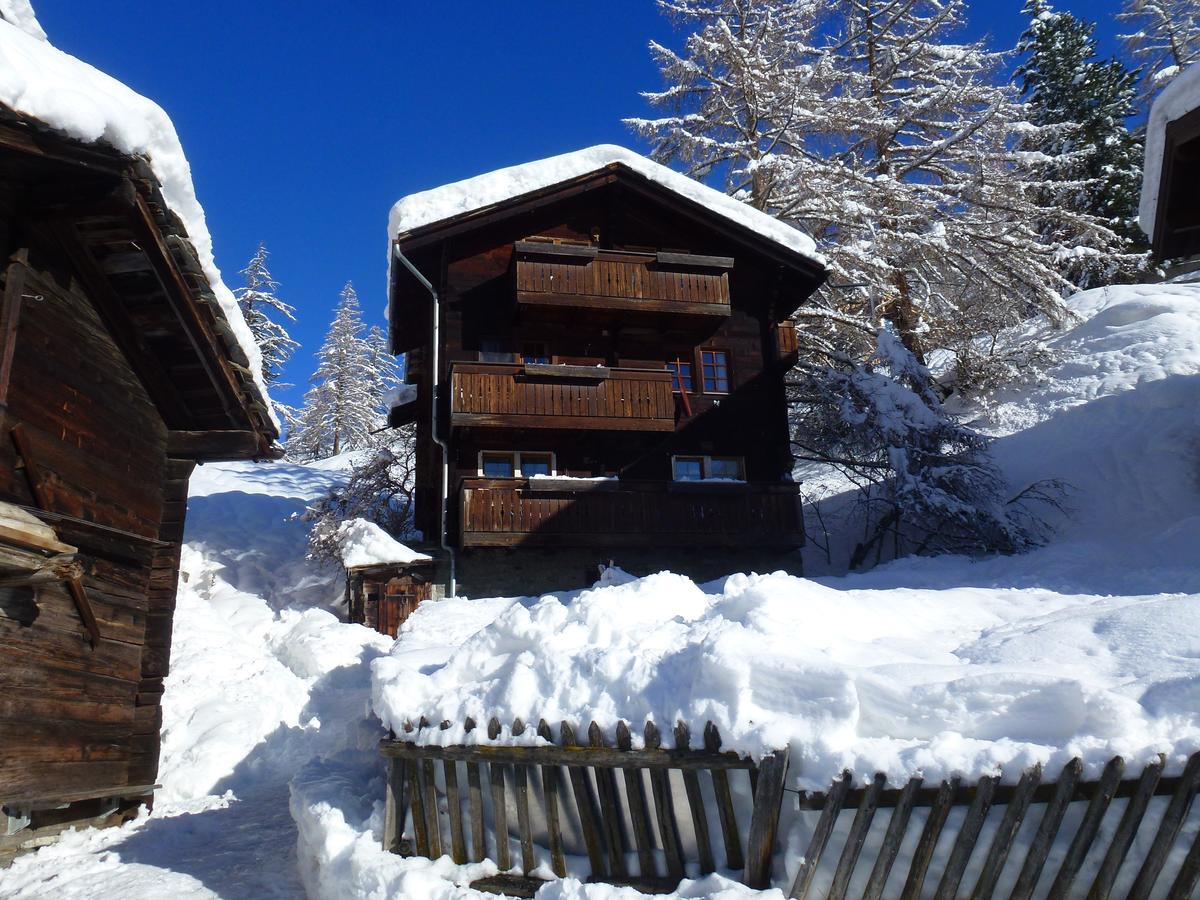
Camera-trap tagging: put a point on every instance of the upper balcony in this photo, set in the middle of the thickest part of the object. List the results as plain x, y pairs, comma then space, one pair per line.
681, 284
515, 395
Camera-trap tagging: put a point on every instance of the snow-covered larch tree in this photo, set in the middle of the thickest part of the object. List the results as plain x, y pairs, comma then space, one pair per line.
868, 124
261, 306
1093, 163
343, 406
1164, 41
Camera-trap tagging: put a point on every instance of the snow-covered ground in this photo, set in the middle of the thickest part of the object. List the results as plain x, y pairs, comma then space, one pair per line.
1089, 646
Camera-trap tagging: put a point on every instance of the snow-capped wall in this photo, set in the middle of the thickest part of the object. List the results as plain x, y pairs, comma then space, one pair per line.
68, 95
1178, 99
427, 207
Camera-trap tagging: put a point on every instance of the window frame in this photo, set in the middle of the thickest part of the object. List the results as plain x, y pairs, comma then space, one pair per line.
700, 351
706, 468
515, 455
546, 355
676, 378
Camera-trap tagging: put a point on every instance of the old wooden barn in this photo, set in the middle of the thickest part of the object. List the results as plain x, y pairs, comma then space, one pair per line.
119, 371
600, 346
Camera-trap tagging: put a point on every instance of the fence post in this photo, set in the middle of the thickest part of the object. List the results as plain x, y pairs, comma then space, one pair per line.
764, 820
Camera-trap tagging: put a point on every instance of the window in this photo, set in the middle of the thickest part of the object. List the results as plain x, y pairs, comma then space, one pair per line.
535, 352
536, 464
714, 365
492, 350
682, 375
725, 467
525, 464
497, 465
708, 468
688, 468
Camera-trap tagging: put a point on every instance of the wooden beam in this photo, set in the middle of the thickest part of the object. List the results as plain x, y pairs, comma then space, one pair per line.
75, 583
10, 314
210, 446
141, 358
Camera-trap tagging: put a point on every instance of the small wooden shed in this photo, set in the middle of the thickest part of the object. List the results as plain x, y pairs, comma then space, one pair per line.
383, 596
120, 369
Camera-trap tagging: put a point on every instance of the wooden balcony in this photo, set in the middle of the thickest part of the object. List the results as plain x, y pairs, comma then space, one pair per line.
584, 277
507, 395
535, 512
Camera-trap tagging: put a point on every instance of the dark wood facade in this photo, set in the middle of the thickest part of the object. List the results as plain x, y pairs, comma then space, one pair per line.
1177, 219
570, 318
118, 372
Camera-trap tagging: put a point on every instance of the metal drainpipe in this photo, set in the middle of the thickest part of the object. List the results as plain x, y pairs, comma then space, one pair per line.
433, 406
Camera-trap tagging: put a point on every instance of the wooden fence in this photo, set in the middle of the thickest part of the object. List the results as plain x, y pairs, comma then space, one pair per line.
589, 807
600, 812
1018, 803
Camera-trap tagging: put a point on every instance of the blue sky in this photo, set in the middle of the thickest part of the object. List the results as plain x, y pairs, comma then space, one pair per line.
305, 121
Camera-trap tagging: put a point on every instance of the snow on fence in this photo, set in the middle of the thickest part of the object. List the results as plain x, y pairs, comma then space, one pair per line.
591, 811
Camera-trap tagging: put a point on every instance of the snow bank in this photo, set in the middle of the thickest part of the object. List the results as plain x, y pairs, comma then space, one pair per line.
68, 95
364, 543
1178, 99
427, 207
953, 681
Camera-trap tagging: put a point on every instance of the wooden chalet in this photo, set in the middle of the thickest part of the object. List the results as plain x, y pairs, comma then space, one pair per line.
1170, 211
118, 373
609, 365
383, 595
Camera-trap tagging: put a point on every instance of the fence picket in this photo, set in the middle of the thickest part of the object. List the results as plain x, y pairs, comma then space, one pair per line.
664, 810
550, 785
929, 838
639, 813
691, 786
968, 834
1102, 885
892, 839
499, 804
1035, 859
1168, 830
524, 824
585, 804
724, 796
1086, 833
1006, 833
610, 808
820, 838
863, 817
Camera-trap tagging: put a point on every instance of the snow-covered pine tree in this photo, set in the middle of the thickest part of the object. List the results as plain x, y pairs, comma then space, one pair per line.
870, 126
1088, 159
383, 366
258, 300
342, 407
1164, 41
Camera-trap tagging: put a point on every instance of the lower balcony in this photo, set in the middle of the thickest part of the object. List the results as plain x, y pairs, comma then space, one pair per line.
508, 395
550, 512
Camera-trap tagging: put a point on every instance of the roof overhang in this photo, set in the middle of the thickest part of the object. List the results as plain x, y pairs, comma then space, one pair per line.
106, 213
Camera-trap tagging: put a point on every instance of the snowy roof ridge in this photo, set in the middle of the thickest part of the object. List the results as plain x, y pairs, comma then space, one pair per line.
41, 82
363, 543
481, 191
1179, 98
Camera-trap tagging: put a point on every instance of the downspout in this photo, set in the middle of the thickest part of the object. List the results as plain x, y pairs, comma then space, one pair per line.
434, 393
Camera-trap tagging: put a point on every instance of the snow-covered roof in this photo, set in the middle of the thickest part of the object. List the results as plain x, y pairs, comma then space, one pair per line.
364, 543
473, 194
68, 95
1180, 97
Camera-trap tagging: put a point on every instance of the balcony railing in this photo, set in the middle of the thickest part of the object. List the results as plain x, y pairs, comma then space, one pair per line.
648, 282
546, 396
573, 512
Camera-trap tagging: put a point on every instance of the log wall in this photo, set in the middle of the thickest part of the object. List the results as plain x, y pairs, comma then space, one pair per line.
79, 721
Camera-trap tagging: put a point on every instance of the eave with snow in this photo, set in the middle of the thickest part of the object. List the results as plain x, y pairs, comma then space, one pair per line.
1170, 206
612, 339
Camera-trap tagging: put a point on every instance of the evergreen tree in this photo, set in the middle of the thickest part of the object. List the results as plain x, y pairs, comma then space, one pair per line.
1165, 40
867, 124
257, 300
1092, 163
342, 407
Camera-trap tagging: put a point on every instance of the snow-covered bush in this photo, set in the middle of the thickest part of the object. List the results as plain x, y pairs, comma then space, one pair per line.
380, 489
927, 481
